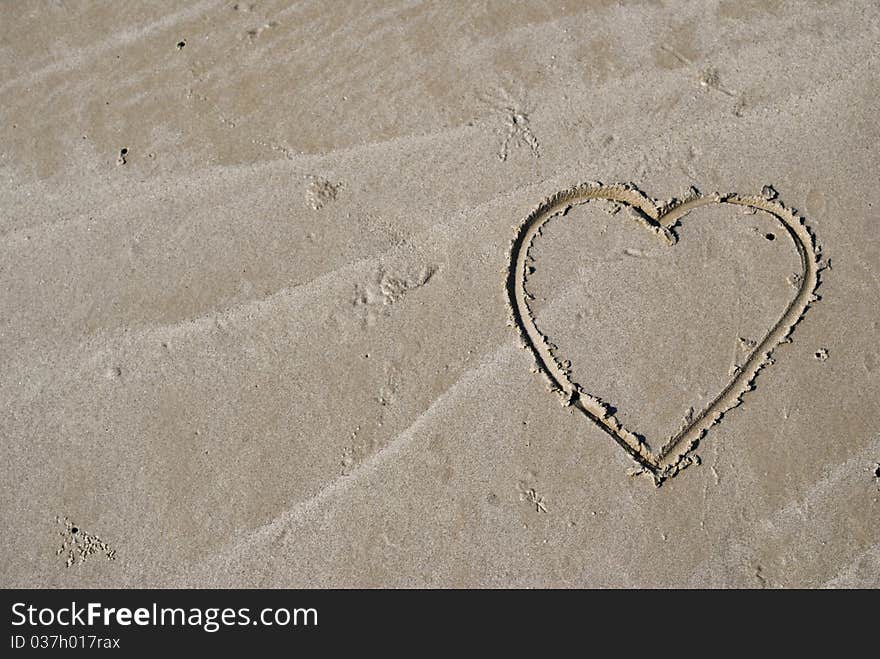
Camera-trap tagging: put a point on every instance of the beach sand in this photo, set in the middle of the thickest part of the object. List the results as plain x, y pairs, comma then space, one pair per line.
255, 294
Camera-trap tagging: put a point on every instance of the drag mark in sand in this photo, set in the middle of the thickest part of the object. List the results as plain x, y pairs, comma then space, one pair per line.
661, 219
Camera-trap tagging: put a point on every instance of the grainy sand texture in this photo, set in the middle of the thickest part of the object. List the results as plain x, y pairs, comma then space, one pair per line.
406, 294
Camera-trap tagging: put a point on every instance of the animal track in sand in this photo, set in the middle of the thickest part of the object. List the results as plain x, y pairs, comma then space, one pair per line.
517, 125
79, 545
320, 192
661, 219
373, 298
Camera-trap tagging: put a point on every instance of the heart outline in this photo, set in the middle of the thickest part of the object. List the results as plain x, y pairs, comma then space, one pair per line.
661, 218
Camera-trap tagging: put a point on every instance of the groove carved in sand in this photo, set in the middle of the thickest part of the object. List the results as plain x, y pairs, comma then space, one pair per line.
661, 219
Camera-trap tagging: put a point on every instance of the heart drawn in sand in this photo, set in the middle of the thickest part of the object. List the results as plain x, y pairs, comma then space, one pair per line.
661, 219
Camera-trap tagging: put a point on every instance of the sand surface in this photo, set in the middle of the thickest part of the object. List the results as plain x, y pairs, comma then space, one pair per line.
254, 322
